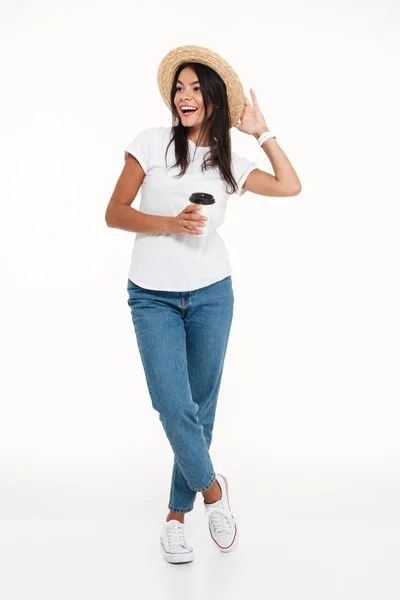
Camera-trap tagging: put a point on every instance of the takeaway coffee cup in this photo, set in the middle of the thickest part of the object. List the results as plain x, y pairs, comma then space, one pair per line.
207, 203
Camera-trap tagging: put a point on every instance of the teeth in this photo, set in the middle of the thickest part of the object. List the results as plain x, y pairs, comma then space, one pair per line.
188, 108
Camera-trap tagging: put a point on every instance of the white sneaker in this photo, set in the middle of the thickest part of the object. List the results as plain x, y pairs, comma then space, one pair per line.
173, 543
221, 522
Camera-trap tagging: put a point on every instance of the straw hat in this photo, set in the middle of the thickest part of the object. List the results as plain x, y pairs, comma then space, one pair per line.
174, 58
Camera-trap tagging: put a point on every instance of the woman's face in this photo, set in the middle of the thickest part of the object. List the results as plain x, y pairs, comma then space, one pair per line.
188, 94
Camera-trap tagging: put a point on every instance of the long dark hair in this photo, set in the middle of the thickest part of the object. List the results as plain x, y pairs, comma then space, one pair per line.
213, 91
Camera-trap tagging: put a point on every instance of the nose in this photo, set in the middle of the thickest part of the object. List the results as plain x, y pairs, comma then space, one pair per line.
182, 96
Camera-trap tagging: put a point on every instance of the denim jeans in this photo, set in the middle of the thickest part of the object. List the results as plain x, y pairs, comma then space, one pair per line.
182, 339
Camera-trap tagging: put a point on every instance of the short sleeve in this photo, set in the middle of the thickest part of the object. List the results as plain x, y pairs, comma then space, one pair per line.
141, 147
241, 167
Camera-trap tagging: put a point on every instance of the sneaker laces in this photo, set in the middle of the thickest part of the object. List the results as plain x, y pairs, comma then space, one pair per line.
219, 519
176, 536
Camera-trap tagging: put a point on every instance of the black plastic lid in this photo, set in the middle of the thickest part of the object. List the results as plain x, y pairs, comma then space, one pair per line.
202, 198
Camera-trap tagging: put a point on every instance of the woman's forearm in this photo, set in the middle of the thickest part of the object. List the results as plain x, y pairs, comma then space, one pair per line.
129, 219
280, 163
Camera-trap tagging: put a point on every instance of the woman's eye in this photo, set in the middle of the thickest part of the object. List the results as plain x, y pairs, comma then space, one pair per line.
178, 89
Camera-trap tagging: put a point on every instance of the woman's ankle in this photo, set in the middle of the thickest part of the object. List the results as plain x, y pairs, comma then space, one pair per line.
178, 516
213, 493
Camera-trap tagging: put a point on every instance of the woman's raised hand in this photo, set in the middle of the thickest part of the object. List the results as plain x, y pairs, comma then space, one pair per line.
252, 120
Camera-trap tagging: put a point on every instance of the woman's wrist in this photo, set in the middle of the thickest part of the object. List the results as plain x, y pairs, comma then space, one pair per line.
260, 131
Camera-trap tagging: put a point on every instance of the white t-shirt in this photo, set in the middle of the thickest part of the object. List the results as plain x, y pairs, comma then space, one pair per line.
179, 262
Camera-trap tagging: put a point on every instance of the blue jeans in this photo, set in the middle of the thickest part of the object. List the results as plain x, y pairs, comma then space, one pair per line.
182, 339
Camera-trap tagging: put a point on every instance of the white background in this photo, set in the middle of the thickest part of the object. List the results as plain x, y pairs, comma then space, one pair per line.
308, 415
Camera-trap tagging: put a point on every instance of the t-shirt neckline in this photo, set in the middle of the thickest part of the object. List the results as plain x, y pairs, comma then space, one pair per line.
204, 147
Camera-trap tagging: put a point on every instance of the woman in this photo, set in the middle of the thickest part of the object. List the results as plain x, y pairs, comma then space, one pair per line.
179, 281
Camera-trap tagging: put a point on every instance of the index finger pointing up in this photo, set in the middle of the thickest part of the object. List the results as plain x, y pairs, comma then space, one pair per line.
253, 95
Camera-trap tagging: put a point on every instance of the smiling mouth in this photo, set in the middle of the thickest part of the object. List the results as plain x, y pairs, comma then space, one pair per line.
188, 112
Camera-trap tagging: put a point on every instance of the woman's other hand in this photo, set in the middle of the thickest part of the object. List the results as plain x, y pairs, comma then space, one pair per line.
187, 221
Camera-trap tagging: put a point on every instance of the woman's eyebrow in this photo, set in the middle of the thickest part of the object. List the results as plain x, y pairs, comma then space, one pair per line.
193, 82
